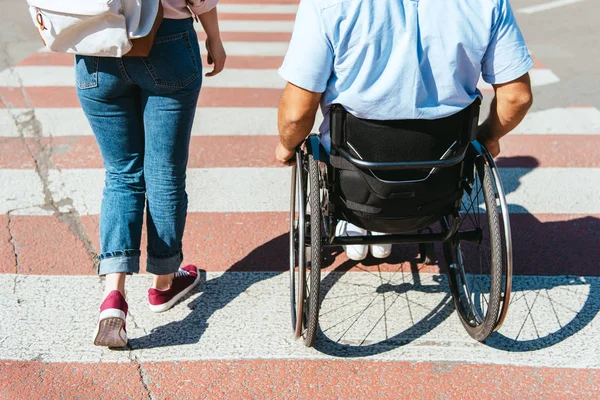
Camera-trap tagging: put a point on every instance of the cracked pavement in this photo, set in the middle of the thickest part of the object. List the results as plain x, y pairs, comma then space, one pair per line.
30, 132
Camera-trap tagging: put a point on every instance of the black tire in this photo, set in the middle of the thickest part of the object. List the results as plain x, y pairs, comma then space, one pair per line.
316, 233
471, 281
298, 203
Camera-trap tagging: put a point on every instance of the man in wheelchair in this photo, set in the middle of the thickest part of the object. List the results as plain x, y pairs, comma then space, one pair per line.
400, 149
401, 60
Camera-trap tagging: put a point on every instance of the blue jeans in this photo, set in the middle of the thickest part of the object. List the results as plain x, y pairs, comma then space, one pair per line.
141, 110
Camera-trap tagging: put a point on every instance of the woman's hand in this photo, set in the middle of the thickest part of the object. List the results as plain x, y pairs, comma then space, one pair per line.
214, 45
216, 55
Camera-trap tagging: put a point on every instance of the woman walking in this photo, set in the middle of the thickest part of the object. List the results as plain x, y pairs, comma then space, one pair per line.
141, 110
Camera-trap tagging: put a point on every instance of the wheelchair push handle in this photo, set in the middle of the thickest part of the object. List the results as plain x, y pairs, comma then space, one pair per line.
399, 165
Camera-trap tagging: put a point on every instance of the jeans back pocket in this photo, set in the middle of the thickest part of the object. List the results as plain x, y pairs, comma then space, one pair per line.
86, 72
173, 61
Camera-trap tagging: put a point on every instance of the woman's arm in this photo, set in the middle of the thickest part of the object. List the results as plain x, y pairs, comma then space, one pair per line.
214, 45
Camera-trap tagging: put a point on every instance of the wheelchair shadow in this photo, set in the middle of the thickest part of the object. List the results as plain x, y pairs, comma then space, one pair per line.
216, 294
410, 304
556, 289
346, 328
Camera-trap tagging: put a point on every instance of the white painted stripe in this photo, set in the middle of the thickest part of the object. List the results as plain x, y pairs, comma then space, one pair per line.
210, 189
547, 6
564, 121
539, 77
542, 77
418, 322
241, 49
65, 76
20, 189
258, 8
253, 26
263, 121
8, 127
552, 190
246, 78
535, 191
209, 121
217, 121
267, 78
253, 49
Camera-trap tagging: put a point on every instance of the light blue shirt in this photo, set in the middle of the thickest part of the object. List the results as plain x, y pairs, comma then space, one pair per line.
403, 59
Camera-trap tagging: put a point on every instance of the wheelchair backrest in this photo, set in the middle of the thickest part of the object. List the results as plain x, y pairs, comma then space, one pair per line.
410, 141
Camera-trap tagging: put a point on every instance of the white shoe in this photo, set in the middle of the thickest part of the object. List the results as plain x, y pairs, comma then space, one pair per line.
356, 252
380, 250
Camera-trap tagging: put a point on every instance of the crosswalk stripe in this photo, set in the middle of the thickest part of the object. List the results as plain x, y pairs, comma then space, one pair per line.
65, 76
258, 8
240, 47
231, 78
307, 379
571, 120
259, 2
253, 26
233, 61
254, 150
251, 37
253, 49
70, 121
539, 77
65, 96
541, 190
256, 17
232, 305
258, 242
210, 121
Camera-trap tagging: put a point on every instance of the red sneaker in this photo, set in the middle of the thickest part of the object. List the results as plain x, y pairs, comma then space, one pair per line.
110, 330
184, 280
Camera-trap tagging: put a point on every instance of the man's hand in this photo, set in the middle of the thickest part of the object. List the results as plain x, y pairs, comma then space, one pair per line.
216, 55
285, 156
509, 106
493, 146
490, 143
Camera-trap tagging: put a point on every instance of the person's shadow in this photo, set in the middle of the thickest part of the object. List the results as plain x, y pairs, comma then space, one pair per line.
217, 293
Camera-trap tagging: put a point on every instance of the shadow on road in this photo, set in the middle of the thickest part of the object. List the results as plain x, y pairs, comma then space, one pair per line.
383, 311
216, 294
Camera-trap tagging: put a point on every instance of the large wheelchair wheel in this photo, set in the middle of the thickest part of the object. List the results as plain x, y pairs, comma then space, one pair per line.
305, 272
479, 255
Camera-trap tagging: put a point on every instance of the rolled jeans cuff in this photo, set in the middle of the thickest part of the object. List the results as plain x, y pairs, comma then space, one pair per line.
164, 266
129, 264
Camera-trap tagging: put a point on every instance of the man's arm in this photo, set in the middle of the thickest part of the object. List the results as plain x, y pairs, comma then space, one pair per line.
296, 117
509, 106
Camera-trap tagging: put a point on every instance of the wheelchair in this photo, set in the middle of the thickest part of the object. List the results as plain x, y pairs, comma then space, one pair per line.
417, 181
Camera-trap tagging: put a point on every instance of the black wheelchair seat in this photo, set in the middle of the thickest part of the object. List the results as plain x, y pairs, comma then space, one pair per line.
397, 176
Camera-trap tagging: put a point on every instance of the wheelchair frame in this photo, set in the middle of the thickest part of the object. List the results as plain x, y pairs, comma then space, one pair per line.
305, 298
